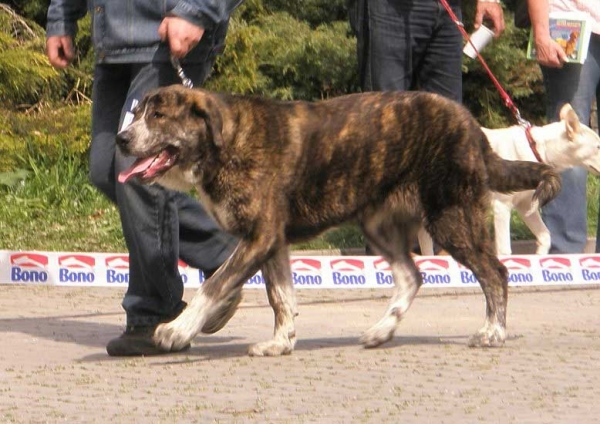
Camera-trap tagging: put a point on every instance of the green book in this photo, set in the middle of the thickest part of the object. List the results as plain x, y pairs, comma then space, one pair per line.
572, 31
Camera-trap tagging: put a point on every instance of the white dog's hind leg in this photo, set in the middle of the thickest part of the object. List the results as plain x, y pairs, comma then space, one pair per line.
502, 211
282, 298
425, 242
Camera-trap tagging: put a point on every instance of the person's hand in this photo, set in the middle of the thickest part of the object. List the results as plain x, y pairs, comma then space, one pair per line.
550, 53
60, 51
493, 12
181, 35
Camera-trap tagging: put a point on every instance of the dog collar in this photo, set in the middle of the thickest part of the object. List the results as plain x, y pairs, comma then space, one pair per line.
532, 144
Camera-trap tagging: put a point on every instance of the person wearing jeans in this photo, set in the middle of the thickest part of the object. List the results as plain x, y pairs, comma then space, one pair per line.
413, 45
579, 85
133, 43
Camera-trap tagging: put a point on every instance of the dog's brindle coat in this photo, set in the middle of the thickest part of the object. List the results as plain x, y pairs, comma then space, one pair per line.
274, 173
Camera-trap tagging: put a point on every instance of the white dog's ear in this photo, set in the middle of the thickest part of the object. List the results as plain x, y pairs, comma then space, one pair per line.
571, 119
208, 110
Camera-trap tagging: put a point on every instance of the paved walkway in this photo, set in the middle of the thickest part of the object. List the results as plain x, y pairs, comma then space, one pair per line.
53, 366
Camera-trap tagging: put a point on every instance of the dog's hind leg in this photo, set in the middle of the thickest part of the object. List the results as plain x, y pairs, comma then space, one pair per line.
493, 278
425, 243
502, 210
282, 298
464, 234
392, 239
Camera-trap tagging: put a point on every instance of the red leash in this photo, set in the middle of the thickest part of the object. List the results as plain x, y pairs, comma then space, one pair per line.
507, 100
531, 142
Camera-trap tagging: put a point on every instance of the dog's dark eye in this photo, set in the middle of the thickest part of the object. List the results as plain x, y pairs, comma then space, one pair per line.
157, 115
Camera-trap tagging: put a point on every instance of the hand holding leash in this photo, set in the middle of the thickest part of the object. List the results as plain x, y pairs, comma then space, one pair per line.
181, 35
505, 97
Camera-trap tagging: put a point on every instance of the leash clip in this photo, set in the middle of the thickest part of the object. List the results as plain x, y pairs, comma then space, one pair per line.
180, 73
521, 121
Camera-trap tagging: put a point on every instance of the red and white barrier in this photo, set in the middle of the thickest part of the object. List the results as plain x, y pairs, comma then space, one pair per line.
112, 270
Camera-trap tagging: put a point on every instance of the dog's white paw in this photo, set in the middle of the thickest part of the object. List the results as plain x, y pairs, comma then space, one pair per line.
493, 336
271, 348
380, 333
175, 335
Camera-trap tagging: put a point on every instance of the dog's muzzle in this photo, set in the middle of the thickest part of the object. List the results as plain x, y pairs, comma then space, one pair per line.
123, 140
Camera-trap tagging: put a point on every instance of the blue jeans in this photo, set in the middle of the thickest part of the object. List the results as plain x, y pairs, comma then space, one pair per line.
566, 215
408, 45
160, 226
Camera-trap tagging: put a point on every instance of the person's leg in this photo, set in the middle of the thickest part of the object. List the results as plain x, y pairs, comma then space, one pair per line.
155, 220
386, 59
597, 250
403, 45
593, 64
160, 227
111, 83
393, 42
566, 215
440, 67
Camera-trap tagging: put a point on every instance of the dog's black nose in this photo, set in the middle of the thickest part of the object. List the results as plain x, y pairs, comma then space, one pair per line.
122, 139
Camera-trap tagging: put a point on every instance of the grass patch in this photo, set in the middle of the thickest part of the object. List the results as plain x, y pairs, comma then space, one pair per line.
49, 204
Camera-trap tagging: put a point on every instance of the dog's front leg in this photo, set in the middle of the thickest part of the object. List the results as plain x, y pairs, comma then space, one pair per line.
535, 223
215, 303
282, 298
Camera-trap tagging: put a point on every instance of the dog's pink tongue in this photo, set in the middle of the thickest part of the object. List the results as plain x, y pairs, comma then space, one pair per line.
137, 168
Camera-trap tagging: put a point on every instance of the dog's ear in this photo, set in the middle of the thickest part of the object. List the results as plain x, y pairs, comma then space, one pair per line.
154, 98
571, 119
207, 109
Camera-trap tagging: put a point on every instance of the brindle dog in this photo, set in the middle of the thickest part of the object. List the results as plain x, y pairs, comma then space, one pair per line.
274, 173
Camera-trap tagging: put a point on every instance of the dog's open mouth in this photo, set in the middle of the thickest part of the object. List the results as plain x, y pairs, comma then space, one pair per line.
150, 167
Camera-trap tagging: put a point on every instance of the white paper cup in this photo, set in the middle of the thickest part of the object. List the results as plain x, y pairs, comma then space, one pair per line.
480, 39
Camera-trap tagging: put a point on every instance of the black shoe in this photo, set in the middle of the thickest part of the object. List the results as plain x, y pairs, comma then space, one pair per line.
137, 341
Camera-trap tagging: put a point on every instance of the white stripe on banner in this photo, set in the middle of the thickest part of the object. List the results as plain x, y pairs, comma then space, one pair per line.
112, 270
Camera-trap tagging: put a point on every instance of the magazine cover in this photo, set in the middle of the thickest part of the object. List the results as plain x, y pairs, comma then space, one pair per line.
569, 29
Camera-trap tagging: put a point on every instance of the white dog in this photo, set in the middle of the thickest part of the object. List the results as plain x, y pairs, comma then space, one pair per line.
564, 144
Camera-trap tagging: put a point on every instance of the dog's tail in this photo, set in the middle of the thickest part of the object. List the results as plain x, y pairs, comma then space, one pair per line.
507, 176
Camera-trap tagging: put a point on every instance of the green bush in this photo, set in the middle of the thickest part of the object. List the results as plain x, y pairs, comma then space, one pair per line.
52, 131
25, 74
313, 12
279, 56
287, 49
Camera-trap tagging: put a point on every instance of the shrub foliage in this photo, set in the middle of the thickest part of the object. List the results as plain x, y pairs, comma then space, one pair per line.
287, 49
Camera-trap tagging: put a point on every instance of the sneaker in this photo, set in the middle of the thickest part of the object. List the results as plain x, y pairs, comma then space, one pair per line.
138, 341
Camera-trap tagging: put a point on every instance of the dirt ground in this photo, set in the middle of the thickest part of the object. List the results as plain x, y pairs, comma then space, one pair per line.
54, 368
